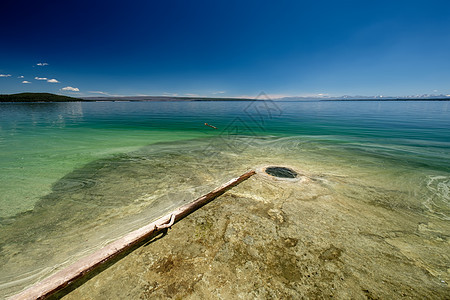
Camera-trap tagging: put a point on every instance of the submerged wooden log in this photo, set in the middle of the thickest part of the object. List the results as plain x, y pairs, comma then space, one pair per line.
79, 269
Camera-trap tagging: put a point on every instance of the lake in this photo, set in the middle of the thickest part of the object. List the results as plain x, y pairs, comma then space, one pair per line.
75, 176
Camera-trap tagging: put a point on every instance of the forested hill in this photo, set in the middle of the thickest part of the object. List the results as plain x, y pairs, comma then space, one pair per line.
36, 97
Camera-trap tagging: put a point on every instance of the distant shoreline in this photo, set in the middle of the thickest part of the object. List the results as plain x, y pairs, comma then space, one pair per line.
389, 99
52, 98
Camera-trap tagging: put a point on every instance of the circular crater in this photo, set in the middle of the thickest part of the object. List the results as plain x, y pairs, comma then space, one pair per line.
281, 172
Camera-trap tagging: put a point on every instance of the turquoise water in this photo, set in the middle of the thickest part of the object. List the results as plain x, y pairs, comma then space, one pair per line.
75, 176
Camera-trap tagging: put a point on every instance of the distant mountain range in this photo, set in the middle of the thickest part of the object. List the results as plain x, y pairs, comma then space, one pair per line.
321, 98
161, 98
47, 97
369, 98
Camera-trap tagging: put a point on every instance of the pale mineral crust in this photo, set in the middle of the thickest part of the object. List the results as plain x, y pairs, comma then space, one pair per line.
269, 239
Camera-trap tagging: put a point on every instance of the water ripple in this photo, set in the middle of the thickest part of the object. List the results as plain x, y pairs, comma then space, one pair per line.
438, 200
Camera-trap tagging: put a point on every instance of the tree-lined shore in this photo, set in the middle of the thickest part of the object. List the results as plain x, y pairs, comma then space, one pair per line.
37, 97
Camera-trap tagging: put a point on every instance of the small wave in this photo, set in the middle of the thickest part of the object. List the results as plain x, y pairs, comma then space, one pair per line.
438, 199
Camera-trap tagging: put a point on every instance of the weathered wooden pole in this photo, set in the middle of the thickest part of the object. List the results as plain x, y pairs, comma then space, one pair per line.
82, 267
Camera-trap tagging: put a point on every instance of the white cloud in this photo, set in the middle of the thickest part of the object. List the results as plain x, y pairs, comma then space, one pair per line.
5, 75
191, 95
21, 76
219, 92
113, 95
40, 78
263, 97
70, 89
25, 81
53, 81
170, 94
98, 92
42, 64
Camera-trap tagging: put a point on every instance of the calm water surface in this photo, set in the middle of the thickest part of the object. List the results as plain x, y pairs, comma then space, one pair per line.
74, 176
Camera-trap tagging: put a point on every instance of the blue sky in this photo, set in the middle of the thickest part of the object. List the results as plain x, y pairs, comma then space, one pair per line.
225, 48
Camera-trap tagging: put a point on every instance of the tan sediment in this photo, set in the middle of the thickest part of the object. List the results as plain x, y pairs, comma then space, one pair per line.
270, 239
79, 269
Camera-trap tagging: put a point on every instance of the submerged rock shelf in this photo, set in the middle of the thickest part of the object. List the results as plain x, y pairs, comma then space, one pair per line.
278, 239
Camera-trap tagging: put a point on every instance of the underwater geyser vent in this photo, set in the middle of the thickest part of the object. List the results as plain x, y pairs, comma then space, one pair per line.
281, 172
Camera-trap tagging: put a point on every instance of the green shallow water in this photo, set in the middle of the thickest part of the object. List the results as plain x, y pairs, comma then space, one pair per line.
75, 176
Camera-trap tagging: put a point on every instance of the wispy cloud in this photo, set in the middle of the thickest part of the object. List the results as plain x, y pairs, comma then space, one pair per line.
21, 76
170, 94
278, 96
219, 92
269, 96
25, 81
53, 81
42, 64
312, 95
40, 78
5, 75
98, 92
112, 95
70, 89
191, 95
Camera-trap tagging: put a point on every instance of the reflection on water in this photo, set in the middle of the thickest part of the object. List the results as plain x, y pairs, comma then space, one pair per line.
94, 180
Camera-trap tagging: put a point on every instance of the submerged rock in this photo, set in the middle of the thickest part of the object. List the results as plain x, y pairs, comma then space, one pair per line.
253, 243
